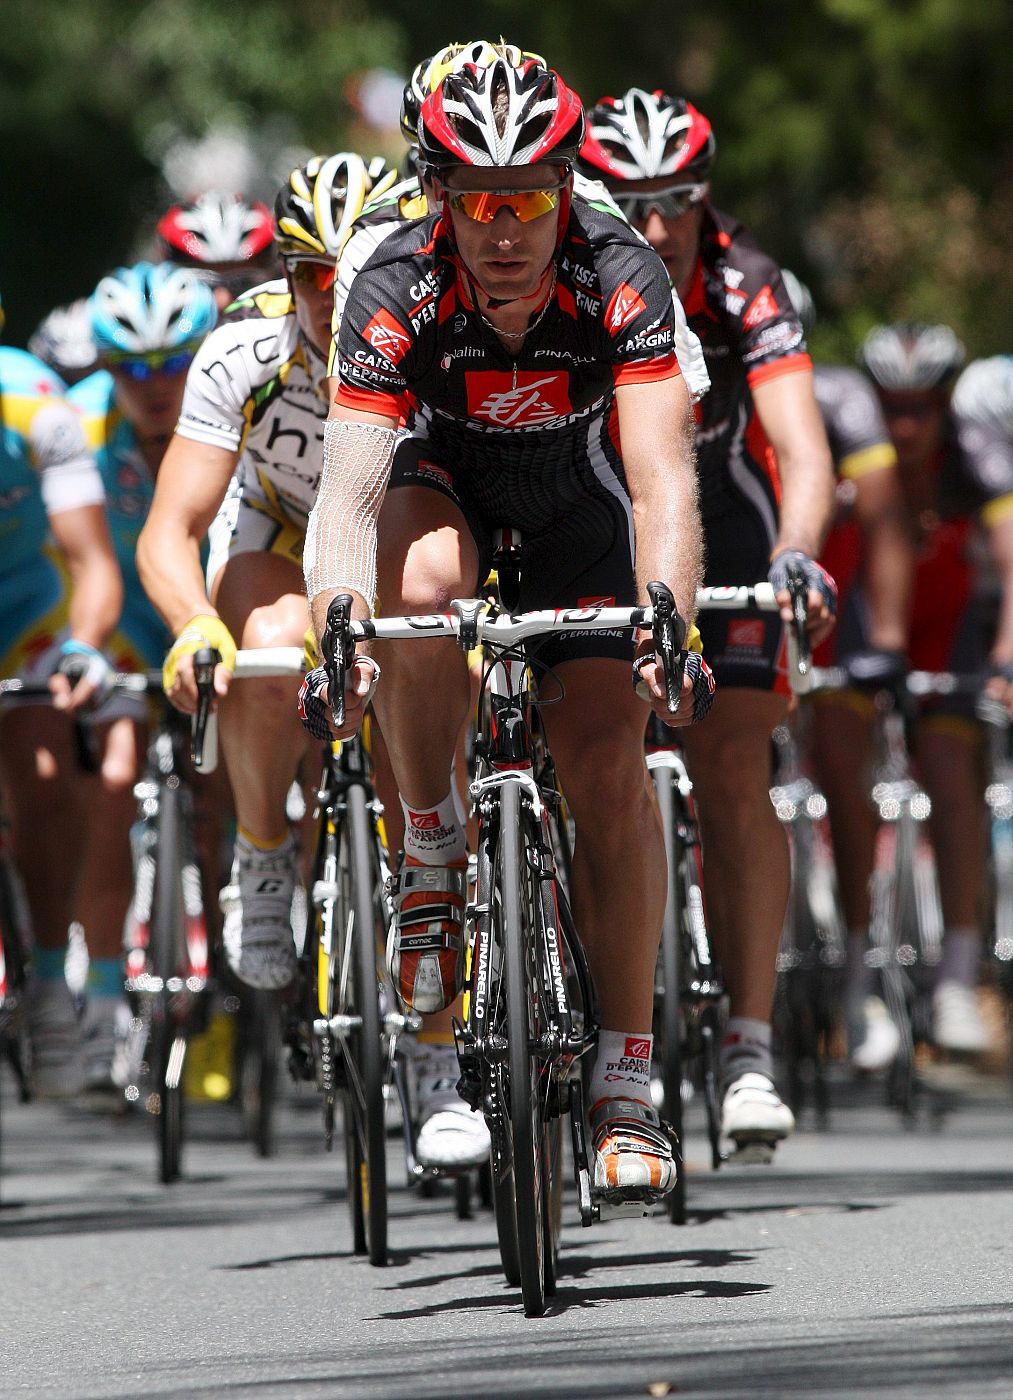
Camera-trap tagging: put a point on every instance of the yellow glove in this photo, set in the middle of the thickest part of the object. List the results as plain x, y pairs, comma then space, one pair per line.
693, 642
310, 650
201, 631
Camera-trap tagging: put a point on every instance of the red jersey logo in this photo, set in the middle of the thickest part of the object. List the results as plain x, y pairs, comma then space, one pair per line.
387, 337
746, 633
534, 399
760, 309
424, 821
637, 1048
625, 306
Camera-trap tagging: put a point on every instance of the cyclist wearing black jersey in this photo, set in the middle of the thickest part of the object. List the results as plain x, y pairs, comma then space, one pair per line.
766, 489
520, 338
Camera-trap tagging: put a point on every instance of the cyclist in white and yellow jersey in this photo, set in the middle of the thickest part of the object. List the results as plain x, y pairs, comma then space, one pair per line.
244, 464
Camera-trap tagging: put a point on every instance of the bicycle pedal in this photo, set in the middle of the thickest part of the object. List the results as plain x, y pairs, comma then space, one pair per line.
751, 1152
621, 1205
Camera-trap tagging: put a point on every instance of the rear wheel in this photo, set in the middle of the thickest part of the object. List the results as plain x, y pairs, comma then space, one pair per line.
258, 1067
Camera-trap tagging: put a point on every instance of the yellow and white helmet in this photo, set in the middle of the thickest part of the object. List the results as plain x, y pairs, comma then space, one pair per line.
316, 207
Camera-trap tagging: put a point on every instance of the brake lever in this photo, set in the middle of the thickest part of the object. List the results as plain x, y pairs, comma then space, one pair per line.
337, 647
204, 728
669, 640
799, 647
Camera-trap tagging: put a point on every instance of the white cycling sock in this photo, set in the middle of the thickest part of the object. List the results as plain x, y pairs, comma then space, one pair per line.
746, 1049
433, 835
623, 1067
961, 955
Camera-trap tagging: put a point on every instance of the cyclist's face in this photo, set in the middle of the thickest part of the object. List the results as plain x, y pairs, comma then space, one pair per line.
676, 239
314, 311
507, 258
151, 406
916, 423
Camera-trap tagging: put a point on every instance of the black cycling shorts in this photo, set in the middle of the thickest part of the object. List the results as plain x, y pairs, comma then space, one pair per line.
575, 557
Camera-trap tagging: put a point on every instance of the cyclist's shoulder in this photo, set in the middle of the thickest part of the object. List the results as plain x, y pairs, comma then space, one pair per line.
267, 301
842, 386
407, 244
24, 377
727, 242
401, 203
95, 394
94, 401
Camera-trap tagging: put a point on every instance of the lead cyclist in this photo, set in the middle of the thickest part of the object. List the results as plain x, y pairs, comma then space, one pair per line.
521, 336
243, 467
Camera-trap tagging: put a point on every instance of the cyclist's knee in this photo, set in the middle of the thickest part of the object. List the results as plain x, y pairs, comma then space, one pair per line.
279, 624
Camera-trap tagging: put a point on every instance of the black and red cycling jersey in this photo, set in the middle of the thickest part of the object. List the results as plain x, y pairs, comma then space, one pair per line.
413, 344
737, 304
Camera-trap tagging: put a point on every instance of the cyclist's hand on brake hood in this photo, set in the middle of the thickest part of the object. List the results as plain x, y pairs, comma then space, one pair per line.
314, 699
177, 672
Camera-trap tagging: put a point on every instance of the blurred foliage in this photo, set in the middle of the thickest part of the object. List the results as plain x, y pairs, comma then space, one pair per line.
867, 143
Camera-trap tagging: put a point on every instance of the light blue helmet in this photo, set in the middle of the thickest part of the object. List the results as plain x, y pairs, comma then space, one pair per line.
150, 307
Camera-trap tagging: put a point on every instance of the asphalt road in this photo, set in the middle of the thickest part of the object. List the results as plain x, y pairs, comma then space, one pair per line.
866, 1260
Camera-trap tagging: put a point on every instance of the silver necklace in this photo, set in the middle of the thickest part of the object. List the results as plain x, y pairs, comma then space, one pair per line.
518, 335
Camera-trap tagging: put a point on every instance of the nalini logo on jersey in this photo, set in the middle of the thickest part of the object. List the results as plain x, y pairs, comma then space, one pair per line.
625, 306
494, 396
760, 309
387, 337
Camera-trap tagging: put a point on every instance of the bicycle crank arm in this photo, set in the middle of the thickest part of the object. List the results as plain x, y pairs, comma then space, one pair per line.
588, 1211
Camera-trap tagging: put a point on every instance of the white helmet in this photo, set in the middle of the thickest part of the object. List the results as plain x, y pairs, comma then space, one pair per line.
984, 393
908, 358
145, 307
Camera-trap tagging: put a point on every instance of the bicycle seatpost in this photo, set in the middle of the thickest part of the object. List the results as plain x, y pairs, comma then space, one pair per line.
338, 649
799, 651
204, 730
669, 640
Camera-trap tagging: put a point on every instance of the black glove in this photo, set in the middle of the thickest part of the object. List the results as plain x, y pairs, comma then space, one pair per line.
694, 666
877, 669
815, 575
314, 711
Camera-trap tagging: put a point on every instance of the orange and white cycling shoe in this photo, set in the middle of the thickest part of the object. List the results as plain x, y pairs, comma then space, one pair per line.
635, 1159
426, 947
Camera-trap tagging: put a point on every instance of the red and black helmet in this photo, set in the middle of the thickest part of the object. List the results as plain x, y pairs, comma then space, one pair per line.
645, 135
217, 229
504, 114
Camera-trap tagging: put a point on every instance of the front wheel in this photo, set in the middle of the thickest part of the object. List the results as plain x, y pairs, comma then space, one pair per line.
167, 1048
522, 997
670, 1009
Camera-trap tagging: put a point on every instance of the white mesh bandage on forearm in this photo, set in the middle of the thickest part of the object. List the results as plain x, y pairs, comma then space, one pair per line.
340, 550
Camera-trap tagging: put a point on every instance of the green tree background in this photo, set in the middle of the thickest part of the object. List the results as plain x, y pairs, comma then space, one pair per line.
868, 143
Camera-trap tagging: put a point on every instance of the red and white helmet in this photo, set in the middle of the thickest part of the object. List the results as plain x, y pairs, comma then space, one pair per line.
646, 135
217, 229
506, 114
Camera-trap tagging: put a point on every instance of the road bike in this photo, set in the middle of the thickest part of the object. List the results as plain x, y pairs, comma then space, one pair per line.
530, 1017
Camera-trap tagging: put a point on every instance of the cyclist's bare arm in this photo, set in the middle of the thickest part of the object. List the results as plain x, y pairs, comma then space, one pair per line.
788, 413
657, 435
336, 533
96, 598
888, 556
191, 485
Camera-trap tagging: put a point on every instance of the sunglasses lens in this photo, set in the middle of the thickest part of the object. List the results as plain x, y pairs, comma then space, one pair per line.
314, 274
670, 204
141, 367
483, 205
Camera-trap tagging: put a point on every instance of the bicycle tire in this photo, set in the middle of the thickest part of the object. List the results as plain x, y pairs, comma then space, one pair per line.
670, 1010
526, 1135
363, 1049
552, 1198
258, 1069
354, 1175
168, 1043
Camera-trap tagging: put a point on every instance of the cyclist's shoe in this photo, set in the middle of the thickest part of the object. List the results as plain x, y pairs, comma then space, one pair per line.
257, 904
54, 1033
752, 1111
956, 1020
451, 1136
873, 1038
107, 1022
634, 1157
425, 950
